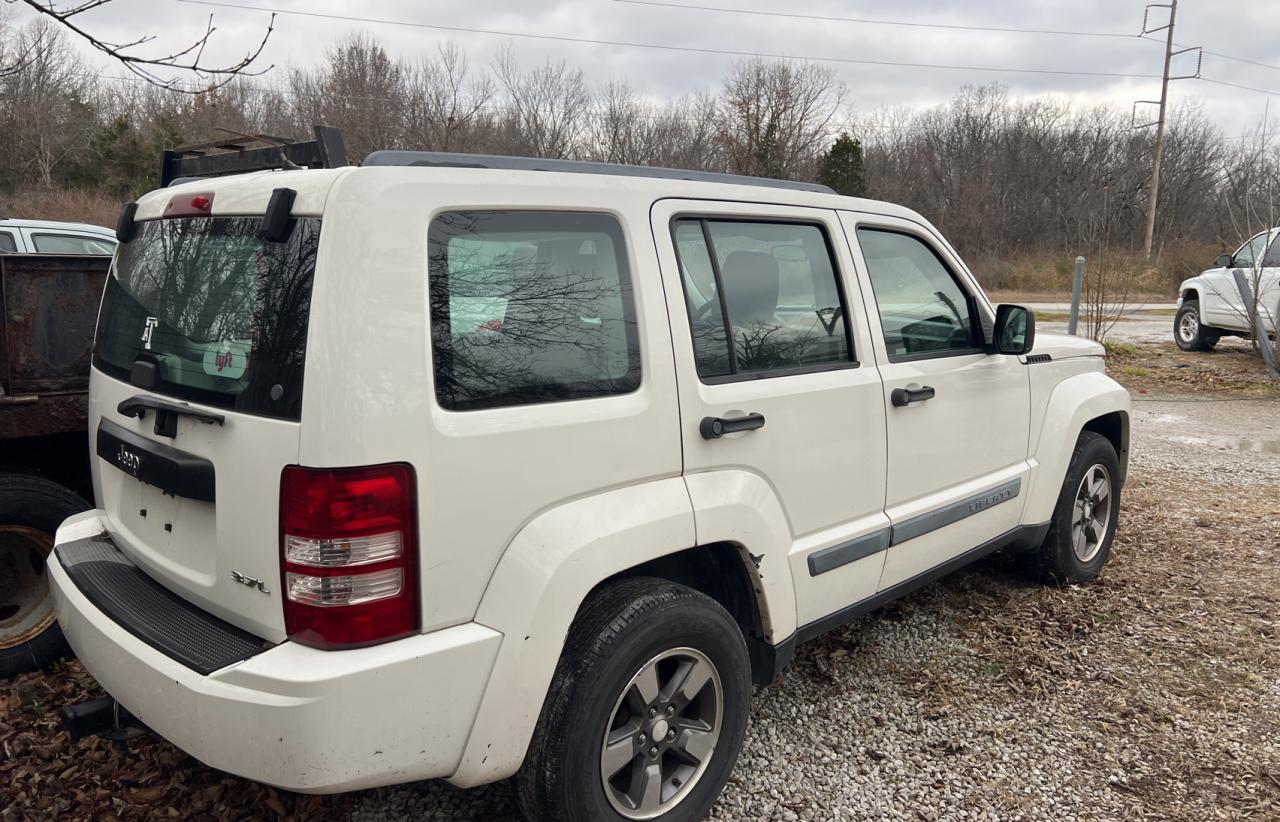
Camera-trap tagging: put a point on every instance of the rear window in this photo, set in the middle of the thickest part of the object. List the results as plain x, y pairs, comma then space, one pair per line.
530, 307
72, 244
220, 311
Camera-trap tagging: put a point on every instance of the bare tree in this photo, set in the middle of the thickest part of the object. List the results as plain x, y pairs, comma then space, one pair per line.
448, 106
778, 115
359, 89
189, 59
547, 106
43, 107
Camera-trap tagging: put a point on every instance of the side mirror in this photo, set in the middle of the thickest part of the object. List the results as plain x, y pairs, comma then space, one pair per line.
1223, 261
1015, 331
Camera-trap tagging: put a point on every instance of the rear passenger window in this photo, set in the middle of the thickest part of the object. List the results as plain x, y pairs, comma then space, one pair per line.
530, 307
923, 310
67, 244
7, 245
763, 298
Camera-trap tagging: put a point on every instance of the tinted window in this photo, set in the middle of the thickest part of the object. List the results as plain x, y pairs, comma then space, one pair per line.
68, 244
923, 310
222, 313
530, 307
7, 243
778, 286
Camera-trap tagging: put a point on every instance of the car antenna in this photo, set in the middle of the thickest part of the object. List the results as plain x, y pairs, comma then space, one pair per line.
288, 164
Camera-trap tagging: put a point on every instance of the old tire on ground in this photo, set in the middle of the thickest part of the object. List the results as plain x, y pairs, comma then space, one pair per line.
1085, 517
644, 658
31, 509
1189, 333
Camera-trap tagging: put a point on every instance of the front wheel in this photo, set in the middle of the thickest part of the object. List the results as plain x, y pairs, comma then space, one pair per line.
1084, 520
647, 710
1189, 332
31, 509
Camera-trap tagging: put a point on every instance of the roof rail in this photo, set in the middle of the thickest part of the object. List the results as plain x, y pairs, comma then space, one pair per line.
233, 157
458, 160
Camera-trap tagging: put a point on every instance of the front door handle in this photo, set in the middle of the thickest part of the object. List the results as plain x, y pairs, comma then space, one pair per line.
902, 397
713, 428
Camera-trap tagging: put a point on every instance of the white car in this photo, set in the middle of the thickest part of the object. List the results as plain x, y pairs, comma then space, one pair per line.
468, 468
1210, 306
46, 237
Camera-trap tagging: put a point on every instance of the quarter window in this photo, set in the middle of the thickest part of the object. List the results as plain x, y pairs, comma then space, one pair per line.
530, 307
7, 245
1272, 260
763, 298
923, 310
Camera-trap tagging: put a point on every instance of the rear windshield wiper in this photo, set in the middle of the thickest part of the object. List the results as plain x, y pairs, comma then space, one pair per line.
167, 413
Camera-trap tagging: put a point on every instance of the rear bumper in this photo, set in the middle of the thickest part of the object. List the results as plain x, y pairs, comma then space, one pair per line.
296, 717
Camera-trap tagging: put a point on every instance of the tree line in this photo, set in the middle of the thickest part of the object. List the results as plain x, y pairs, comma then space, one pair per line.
1001, 176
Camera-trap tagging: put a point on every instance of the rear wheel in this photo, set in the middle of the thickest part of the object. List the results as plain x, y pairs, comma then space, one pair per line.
647, 710
31, 509
1189, 332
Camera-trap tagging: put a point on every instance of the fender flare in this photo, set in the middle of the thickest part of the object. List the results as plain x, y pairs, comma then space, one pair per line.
556, 560
1073, 403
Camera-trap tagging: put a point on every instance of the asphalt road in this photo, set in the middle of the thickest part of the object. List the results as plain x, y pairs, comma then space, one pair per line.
1139, 323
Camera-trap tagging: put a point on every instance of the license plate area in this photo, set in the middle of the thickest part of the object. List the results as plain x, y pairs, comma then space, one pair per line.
169, 469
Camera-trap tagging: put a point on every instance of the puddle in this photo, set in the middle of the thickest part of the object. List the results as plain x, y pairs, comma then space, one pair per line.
1231, 444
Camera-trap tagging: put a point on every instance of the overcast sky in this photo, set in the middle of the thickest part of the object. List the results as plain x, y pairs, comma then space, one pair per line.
1248, 29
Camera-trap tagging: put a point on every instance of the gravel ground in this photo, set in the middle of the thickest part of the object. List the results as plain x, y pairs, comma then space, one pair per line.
1151, 694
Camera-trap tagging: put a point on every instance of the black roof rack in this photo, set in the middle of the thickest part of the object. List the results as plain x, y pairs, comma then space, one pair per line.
233, 155
458, 160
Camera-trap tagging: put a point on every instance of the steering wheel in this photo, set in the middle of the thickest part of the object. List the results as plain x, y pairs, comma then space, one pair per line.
700, 313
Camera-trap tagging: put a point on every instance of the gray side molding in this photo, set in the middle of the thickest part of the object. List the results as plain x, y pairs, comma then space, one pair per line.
830, 558
956, 511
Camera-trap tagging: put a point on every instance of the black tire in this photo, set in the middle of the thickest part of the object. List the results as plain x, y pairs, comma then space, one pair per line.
31, 509
1189, 332
1058, 561
618, 632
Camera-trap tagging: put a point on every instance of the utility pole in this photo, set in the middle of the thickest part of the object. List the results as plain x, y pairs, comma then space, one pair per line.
1154, 195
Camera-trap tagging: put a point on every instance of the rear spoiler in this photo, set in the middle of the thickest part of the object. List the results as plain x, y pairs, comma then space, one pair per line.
234, 156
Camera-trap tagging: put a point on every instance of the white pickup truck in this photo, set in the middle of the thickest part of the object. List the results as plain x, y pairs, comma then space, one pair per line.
1210, 305
468, 467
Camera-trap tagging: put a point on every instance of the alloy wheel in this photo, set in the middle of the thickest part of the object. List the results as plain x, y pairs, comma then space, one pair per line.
1188, 327
1091, 515
662, 733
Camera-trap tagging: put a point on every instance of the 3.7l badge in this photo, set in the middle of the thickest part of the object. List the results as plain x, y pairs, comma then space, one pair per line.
252, 582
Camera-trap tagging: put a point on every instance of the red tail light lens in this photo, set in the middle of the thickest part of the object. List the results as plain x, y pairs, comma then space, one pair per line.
348, 554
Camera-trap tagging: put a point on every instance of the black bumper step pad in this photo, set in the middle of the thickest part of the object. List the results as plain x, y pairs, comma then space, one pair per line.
151, 612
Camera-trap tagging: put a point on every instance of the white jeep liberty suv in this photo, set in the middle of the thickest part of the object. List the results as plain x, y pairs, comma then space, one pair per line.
472, 467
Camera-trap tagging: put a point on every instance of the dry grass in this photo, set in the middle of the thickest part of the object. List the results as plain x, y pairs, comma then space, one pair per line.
69, 205
1048, 277
1232, 369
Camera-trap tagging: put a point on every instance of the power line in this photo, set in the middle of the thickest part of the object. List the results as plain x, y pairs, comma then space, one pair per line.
878, 22
1239, 85
947, 26
1219, 54
667, 47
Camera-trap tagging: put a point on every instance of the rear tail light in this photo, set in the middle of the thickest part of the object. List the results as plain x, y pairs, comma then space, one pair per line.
348, 554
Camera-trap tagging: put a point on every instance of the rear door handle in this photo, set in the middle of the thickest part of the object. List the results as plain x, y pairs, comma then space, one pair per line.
713, 428
902, 397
